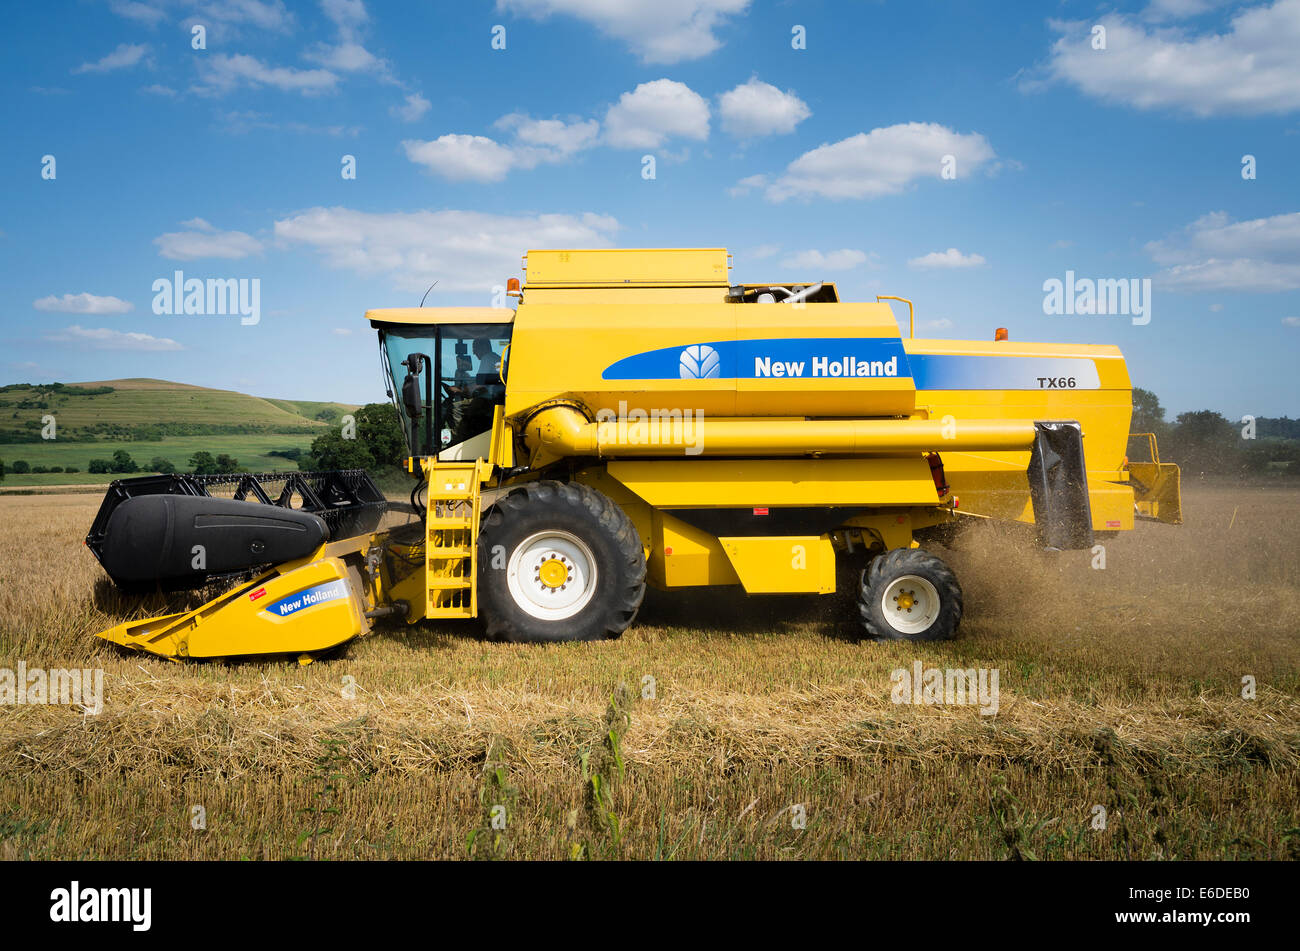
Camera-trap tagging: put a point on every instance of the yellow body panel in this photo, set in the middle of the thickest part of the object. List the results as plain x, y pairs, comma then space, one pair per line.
320, 606
682, 555
617, 267
728, 483
787, 564
596, 335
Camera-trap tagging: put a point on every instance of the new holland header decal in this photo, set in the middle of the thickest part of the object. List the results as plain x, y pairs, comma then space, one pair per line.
813, 358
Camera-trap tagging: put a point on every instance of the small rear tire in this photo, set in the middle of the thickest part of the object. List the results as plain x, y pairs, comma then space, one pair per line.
908, 594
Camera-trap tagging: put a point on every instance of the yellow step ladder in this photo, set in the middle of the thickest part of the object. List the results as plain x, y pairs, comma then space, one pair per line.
451, 538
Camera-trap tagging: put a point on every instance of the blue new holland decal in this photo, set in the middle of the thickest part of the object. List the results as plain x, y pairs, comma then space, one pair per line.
321, 594
797, 358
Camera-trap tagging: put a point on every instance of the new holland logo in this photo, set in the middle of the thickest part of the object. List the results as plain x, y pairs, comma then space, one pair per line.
700, 362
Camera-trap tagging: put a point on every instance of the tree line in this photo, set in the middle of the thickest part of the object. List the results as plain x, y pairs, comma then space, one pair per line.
1209, 442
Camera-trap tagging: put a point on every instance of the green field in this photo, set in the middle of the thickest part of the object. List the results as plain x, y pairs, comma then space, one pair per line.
95, 426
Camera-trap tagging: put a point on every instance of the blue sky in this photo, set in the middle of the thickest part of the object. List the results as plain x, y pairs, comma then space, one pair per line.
817, 163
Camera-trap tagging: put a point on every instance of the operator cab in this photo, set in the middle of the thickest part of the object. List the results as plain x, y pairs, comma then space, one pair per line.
445, 372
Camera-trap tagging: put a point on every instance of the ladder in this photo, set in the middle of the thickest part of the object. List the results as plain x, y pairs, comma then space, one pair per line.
451, 538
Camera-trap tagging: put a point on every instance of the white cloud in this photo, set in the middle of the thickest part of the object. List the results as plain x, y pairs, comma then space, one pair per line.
553, 136
477, 158
659, 31
843, 260
882, 162
946, 259
202, 240
758, 108
159, 90
126, 55
763, 251
1215, 253
943, 323
462, 158
221, 72
1251, 69
1291, 321
654, 112
462, 250
342, 331
349, 54
345, 57
239, 123
1178, 9
146, 13
83, 304
101, 338
347, 14
233, 15
747, 185
412, 110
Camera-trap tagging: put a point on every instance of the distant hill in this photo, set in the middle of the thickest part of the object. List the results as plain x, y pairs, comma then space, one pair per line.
151, 419
118, 407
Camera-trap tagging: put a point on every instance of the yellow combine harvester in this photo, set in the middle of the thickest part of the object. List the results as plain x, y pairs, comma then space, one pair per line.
637, 419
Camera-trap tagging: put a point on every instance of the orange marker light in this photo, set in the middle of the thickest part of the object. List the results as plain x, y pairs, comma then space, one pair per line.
512, 287
1000, 334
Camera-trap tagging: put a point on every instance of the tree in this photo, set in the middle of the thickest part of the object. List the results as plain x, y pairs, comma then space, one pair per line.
332, 451
1148, 414
100, 465
1205, 441
21, 467
380, 428
2, 470
379, 442
122, 462
227, 463
162, 466
202, 463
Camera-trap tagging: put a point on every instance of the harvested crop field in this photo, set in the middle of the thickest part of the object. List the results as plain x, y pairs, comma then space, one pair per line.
767, 730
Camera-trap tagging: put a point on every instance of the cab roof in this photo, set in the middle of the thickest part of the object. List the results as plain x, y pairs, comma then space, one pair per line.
430, 316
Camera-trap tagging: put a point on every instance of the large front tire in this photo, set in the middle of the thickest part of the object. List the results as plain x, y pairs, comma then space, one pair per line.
558, 561
908, 594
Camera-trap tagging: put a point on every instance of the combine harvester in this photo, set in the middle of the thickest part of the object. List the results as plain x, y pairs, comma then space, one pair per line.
639, 419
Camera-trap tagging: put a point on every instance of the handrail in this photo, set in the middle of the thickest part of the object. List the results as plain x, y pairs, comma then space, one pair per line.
911, 317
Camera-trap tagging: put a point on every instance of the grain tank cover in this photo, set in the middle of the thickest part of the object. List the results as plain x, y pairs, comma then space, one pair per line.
627, 267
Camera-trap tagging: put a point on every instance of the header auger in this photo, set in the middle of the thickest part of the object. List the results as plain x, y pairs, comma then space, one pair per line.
638, 419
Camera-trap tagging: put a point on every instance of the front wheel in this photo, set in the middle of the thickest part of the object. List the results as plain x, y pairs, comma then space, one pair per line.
908, 594
558, 561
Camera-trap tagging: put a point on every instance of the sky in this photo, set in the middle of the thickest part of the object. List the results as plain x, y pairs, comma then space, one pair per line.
346, 155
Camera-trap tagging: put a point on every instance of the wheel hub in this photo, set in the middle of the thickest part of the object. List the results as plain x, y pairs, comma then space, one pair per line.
553, 572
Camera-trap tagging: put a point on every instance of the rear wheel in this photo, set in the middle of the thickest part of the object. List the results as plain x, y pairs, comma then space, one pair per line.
558, 561
909, 595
